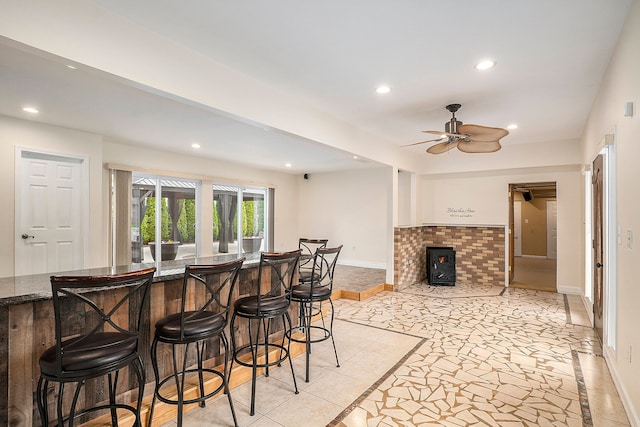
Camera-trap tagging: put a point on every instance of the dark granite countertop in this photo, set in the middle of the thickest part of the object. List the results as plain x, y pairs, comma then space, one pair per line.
21, 289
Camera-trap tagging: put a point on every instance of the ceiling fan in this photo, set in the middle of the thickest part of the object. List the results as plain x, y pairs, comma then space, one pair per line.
468, 138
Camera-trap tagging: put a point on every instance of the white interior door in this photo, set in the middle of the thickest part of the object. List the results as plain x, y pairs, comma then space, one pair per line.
49, 234
517, 228
552, 229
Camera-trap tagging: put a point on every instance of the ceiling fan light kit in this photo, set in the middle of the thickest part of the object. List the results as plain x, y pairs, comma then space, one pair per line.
467, 138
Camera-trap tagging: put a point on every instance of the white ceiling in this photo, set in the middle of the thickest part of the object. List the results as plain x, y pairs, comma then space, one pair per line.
550, 54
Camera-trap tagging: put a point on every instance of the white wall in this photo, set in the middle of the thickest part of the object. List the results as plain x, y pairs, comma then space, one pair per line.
348, 208
55, 140
481, 198
620, 85
406, 198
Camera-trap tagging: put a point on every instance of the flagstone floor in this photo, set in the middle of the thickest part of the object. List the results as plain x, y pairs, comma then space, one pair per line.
442, 356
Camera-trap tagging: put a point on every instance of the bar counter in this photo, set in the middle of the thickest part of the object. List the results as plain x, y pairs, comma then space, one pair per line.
26, 330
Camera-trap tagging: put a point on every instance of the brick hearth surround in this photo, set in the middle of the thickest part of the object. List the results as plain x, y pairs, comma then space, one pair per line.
480, 252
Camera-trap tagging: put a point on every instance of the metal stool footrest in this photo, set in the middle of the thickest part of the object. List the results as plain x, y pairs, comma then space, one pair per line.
325, 336
172, 378
284, 354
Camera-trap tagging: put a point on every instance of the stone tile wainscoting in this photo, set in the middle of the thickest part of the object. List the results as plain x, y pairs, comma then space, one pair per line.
480, 252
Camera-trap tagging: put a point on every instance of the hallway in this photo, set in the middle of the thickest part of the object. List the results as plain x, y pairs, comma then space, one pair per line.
442, 356
535, 273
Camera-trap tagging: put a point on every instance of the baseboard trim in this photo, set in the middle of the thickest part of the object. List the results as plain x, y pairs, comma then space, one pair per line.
571, 290
364, 264
360, 296
588, 306
630, 410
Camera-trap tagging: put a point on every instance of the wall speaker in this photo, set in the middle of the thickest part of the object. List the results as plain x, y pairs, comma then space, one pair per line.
527, 196
306, 176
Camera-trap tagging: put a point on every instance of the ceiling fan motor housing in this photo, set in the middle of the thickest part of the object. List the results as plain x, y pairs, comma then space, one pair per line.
452, 126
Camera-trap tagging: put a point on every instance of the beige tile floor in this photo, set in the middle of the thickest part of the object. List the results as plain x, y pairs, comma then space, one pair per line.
441, 356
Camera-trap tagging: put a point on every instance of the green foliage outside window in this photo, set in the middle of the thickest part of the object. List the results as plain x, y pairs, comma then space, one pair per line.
216, 221
247, 219
147, 227
187, 221
252, 217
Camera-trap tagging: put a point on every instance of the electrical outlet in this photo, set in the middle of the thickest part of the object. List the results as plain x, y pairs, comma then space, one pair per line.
409, 261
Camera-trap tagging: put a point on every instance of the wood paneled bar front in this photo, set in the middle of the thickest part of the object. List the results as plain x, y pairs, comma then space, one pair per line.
26, 330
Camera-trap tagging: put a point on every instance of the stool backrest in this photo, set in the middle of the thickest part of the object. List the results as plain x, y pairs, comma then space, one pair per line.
212, 287
324, 266
83, 308
309, 247
276, 275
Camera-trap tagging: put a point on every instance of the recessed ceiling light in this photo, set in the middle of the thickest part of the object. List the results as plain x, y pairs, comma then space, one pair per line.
30, 110
355, 157
512, 126
485, 65
383, 89
287, 165
195, 145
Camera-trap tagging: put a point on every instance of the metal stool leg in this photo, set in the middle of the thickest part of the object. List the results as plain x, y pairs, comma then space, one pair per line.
284, 324
225, 343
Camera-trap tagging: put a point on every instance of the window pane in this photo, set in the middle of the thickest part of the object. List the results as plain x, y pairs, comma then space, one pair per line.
174, 206
227, 212
143, 217
253, 215
179, 221
225, 219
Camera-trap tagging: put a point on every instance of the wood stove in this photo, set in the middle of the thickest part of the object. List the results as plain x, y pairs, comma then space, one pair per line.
441, 265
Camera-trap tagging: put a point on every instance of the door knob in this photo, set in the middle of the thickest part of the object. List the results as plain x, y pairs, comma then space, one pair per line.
26, 236
598, 265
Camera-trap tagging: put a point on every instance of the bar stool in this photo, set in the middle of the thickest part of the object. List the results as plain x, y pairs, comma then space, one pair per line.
308, 247
277, 271
201, 317
310, 294
107, 342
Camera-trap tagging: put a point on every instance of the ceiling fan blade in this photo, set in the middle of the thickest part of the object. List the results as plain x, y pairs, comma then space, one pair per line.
483, 133
443, 147
479, 146
441, 133
421, 142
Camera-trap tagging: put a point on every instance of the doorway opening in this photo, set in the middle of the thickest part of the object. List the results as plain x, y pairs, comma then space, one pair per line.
533, 236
